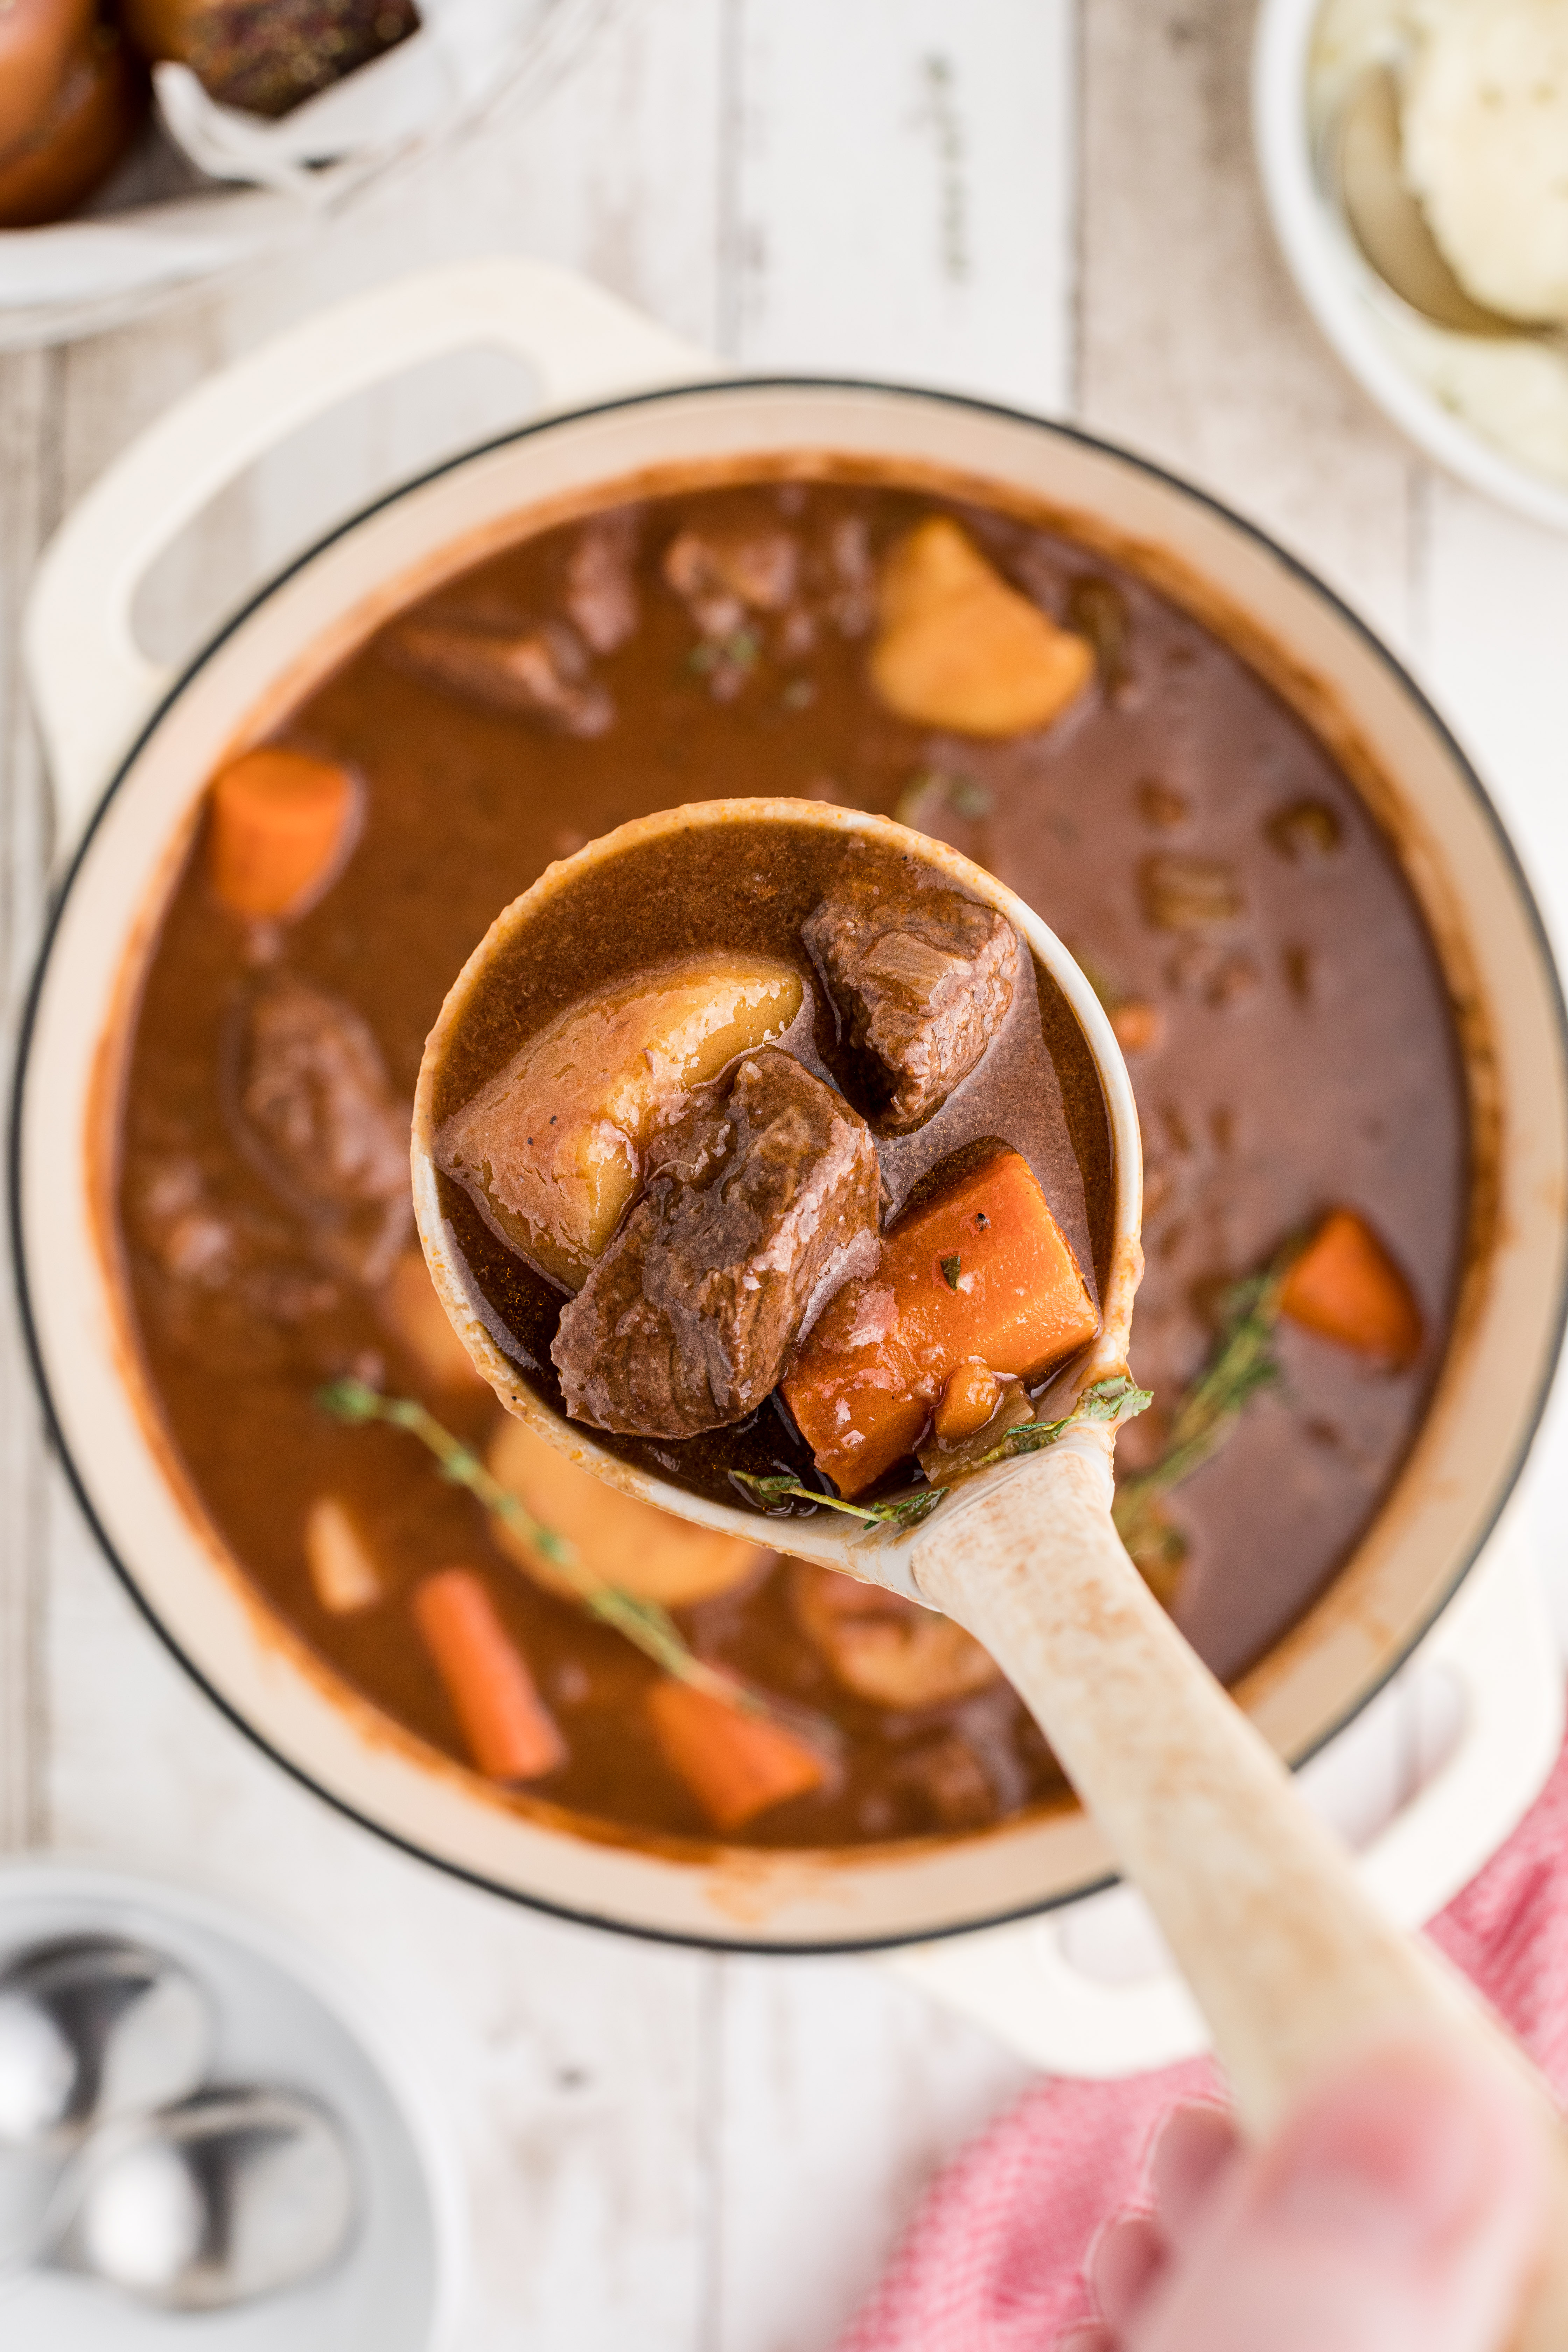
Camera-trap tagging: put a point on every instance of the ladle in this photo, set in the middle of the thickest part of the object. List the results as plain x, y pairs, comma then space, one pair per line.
1293, 1965
1362, 169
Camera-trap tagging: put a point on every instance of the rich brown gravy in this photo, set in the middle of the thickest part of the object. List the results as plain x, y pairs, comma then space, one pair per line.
1306, 1059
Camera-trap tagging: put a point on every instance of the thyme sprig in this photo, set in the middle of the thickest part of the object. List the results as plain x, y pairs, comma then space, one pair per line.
1112, 1399
1115, 1400
646, 1624
897, 1510
1241, 1363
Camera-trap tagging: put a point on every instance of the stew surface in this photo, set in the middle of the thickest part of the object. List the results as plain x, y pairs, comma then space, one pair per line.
1288, 1035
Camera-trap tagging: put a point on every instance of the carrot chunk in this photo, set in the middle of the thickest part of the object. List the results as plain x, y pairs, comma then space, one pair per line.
735, 1765
1346, 1287
511, 1735
967, 1403
280, 819
983, 1275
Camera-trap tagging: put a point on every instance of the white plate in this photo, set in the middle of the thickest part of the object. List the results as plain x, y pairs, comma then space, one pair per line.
280, 2020
1341, 291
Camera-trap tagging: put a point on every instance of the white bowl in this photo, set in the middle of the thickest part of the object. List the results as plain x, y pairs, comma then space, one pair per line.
1364, 325
250, 189
284, 2017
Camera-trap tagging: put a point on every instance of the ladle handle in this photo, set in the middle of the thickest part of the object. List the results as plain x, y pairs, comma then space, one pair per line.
1291, 1963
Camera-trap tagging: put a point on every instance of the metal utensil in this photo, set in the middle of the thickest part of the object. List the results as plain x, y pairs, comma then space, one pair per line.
92, 2030
1362, 171
233, 2195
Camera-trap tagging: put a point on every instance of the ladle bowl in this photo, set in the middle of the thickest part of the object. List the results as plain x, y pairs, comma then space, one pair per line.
1292, 1965
825, 1536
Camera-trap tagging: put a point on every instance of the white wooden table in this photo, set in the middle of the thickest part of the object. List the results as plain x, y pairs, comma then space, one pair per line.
1050, 203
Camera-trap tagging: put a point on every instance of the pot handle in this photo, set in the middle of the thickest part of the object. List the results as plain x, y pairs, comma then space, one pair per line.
93, 688
1498, 1643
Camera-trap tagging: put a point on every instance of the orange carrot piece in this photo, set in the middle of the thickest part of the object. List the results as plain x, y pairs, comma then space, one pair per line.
735, 1765
1346, 1287
279, 822
972, 1395
510, 1733
982, 1274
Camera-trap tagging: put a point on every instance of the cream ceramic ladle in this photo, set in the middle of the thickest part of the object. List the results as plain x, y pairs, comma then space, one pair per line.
1291, 1963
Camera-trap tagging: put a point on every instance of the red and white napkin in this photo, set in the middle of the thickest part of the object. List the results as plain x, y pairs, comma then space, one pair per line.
993, 2259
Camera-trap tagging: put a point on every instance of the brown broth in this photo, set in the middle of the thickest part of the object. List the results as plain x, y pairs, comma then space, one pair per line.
1307, 1058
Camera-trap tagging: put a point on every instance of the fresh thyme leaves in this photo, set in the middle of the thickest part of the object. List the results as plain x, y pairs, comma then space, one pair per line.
740, 650
951, 1269
930, 792
1241, 1363
1114, 1400
897, 1510
966, 798
645, 1623
1117, 1399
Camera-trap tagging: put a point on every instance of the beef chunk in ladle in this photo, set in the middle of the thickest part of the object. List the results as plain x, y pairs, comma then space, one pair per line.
923, 981
759, 1207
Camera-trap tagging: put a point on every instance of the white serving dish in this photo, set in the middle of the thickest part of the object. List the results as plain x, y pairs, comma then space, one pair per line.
283, 2018
585, 347
255, 189
1376, 339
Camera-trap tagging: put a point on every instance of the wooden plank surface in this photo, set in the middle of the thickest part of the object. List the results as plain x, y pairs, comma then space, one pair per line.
1193, 346
1043, 202
902, 193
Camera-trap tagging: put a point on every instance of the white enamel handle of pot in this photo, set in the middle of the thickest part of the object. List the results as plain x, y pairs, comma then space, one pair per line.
93, 688
1290, 1959
1497, 1645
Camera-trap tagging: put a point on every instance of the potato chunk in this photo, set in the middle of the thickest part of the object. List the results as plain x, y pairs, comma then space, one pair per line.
342, 1566
644, 1550
958, 648
554, 1140
882, 1647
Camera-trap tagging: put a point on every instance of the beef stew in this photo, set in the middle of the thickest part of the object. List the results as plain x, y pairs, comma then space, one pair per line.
1244, 922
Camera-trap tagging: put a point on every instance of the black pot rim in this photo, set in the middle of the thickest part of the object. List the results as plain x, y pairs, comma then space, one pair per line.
721, 387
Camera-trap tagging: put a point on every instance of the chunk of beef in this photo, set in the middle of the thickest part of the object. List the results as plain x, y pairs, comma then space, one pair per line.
319, 1119
536, 673
923, 983
852, 604
757, 1211
723, 579
186, 1238
601, 596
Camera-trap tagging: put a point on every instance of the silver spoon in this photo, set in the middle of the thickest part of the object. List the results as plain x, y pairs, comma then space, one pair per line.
91, 2030
1362, 172
234, 2195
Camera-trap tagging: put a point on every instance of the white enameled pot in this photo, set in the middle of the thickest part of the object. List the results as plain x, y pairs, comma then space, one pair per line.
109, 717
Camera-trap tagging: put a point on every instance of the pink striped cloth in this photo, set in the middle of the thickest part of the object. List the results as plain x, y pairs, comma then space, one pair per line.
993, 2259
